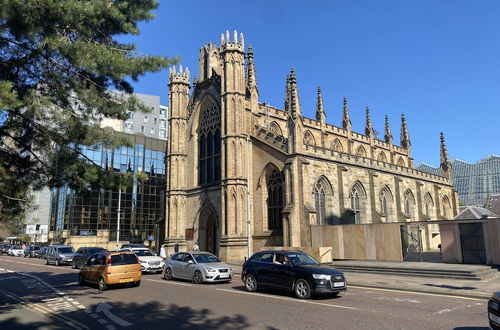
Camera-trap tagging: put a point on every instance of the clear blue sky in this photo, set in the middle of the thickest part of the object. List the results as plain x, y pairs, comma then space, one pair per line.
436, 61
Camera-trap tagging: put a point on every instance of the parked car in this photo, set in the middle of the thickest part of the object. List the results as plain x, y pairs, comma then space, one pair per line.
150, 262
59, 255
133, 246
197, 266
494, 311
33, 251
16, 251
28, 251
108, 268
293, 271
4, 249
83, 254
40, 254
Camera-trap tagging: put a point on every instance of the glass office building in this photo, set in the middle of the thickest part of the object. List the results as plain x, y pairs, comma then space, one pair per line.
473, 182
142, 204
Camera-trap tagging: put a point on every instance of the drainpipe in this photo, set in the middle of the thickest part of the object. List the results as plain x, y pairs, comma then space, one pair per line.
249, 249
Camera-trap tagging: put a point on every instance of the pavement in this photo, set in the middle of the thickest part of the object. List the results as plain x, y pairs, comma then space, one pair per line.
481, 289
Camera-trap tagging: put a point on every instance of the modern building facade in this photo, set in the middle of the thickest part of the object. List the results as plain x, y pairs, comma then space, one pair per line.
92, 218
242, 175
37, 221
473, 181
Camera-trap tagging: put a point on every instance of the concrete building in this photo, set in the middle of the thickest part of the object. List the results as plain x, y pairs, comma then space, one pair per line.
242, 175
37, 221
473, 181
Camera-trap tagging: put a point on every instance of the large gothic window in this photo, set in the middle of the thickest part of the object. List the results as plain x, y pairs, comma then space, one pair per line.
409, 205
275, 200
357, 197
322, 195
209, 145
386, 202
429, 205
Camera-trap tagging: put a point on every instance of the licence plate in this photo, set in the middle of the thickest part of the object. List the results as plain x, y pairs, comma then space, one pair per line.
338, 284
494, 318
125, 280
224, 275
69, 259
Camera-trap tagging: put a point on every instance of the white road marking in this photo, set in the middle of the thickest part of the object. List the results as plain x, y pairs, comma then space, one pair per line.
414, 301
170, 282
415, 292
290, 299
105, 308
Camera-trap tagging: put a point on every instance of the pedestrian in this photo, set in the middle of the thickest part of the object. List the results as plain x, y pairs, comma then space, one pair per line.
176, 247
196, 247
163, 252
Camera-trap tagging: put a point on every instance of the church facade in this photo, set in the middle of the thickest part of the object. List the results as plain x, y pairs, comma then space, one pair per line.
242, 175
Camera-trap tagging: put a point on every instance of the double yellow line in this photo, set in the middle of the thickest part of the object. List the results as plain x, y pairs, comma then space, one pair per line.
72, 324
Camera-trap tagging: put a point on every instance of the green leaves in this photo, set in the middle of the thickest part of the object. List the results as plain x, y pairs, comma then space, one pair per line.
59, 64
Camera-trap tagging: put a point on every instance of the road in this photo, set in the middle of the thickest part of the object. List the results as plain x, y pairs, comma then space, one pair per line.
38, 296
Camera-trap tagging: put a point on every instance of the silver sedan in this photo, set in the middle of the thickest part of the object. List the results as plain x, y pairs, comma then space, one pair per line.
197, 266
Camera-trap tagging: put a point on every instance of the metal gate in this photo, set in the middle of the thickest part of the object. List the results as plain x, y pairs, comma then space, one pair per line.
411, 242
472, 243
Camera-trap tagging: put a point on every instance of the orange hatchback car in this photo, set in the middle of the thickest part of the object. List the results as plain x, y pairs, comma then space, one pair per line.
108, 268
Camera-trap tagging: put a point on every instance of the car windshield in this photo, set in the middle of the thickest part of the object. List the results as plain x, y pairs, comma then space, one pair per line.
65, 250
299, 258
123, 259
205, 258
143, 253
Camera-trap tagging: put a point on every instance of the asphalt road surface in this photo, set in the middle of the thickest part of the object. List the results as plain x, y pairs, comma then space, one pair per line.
37, 296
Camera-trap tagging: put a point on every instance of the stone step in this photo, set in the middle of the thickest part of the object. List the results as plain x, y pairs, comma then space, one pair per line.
465, 274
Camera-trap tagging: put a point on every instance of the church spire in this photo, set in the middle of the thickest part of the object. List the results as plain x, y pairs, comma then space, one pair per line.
320, 110
404, 136
369, 131
387, 130
292, 102
445, 161
346, 120
250, 72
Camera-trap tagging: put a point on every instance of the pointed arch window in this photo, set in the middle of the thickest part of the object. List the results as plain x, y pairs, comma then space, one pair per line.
337, 146
209, 169
275, 200
401, 162
386, 201
429, 205
357, 197
382, 157
309, 139
361, 152
322, 196
275, 128
409, 205
446, 207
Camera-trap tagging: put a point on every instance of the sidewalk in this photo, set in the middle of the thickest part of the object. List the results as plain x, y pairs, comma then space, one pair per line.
483, 289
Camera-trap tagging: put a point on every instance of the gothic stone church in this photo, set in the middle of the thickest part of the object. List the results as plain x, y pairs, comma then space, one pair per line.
243, 175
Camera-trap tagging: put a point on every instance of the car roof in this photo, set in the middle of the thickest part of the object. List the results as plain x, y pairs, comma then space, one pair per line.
59, 245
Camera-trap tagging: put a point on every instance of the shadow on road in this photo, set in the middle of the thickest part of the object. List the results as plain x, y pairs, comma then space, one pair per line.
452, 287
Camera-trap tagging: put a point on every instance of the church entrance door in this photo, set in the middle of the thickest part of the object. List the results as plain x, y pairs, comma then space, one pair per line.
207, 237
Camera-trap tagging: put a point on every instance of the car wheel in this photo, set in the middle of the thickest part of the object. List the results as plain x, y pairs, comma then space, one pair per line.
197, 277
47, 261
251, 283
302, 289
73, 266
167, 275
57, 263
81, 281
102, 285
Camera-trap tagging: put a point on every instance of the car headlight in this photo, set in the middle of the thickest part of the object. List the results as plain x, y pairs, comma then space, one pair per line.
321, 276
210, 270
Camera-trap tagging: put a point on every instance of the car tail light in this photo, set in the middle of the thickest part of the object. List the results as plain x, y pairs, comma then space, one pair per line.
138, 261
108, 261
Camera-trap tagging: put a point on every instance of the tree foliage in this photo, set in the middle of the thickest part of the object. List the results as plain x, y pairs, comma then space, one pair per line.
59, 60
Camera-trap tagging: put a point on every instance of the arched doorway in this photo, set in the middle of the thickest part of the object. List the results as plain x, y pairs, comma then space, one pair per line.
207, 235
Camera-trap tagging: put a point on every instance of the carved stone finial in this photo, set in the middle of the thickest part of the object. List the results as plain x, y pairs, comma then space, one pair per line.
346, 119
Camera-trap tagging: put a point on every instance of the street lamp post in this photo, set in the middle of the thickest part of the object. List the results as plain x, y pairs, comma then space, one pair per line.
119, 212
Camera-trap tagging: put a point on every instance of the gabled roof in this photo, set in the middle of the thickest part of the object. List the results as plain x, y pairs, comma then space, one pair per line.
475, 212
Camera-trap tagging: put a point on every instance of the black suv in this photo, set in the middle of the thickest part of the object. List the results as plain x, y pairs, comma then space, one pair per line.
293, 271
83, 254
494, 311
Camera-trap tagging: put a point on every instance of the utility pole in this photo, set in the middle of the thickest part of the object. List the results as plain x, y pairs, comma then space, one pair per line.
119, 212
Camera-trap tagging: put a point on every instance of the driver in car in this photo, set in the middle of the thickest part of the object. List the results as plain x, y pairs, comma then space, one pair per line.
280, 259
